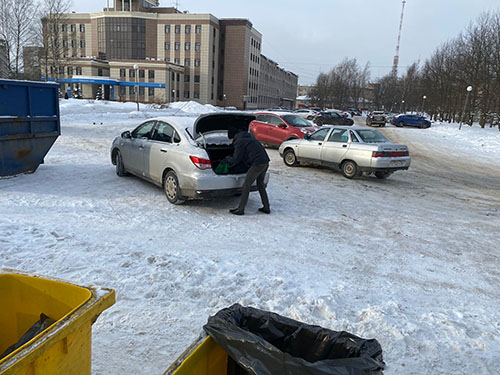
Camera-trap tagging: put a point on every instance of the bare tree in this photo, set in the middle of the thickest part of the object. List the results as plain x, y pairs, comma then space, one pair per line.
17, 18
53, 15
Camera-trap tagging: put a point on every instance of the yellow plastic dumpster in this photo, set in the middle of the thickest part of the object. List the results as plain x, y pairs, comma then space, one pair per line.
64, 348
203, 357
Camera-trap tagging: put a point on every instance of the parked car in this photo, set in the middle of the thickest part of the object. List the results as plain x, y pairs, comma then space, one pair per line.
389, 116
182, 154
376, 118
331, 118
353, 150
275, 128
411, 120
308, 114
354, 112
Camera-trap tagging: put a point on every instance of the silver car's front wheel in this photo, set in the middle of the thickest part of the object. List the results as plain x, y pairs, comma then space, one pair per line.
289, 158
171, 188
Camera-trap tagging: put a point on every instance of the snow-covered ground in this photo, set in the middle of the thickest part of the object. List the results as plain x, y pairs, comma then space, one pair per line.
412, 261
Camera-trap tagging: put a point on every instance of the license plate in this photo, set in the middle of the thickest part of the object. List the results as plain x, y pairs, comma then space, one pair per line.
397, 163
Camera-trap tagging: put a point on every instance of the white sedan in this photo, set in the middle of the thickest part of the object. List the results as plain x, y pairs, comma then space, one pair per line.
353, 150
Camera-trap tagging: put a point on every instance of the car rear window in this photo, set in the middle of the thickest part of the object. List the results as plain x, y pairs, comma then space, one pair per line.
371, 136
296, 121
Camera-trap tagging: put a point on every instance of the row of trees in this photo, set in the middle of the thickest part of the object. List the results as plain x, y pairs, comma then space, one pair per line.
343, 86
21, 25
438, 86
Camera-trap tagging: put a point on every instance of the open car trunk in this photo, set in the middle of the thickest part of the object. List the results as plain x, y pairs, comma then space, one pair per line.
217, 152
215, 123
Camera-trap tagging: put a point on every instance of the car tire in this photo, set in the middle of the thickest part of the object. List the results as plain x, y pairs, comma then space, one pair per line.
400, 124
171, 188
120, 168
290, 159
382, 175
319, 122
349, 169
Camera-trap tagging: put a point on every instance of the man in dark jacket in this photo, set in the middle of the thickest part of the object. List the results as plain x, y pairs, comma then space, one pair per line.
249, 151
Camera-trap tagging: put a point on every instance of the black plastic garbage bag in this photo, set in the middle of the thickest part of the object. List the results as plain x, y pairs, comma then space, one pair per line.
265, 343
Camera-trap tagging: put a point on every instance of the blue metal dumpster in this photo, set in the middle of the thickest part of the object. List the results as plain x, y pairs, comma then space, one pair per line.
29, 124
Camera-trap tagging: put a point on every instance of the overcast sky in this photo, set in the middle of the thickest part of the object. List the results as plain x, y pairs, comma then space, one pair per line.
309, 37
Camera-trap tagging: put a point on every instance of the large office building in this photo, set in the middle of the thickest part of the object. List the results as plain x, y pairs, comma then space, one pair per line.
4, 59
163, 55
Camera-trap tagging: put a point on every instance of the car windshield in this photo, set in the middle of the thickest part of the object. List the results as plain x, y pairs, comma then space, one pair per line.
297, 121
371, 136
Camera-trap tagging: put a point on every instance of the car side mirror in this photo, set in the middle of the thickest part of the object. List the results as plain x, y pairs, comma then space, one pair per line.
126, 134
282, 126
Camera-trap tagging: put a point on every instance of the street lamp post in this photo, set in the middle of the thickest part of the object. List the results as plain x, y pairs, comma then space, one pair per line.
136, 68
402, 105
224, 97
423, 100
469, 89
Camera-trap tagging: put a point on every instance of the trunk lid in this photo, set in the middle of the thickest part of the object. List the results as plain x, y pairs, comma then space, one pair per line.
221, 121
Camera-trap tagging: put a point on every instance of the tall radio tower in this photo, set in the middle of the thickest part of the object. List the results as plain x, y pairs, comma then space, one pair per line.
396, 57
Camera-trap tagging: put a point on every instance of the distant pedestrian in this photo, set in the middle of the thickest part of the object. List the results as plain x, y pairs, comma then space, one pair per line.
248, 150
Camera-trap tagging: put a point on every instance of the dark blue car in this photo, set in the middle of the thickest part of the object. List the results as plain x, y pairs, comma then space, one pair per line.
411, 120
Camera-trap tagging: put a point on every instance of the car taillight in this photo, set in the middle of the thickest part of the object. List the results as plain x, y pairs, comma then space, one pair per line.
201, 163
389, 154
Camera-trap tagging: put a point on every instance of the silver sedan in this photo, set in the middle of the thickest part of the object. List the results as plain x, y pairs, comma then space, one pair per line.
353, 150
182, 154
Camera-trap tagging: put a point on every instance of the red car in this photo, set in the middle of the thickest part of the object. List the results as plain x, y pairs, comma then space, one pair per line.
276, 128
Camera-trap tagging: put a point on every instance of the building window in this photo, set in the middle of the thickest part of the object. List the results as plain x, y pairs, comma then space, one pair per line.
151, 73
122, 73
187, 46
188, 29
73, 43
141, 91
99, 72
197, 29
197, 79
73, 28
141, 73
61, 70
215, 33
187, 62
131, 90
196, 95
64, 27
131, 73
177, 61
123, 90
82, 28
197, 46
78, 70
82, 43
186, 94
173, 76
167, 29
65, 43
177, 46
167, 45
177, 29
196, 62
70, 70
151, 91
187, 78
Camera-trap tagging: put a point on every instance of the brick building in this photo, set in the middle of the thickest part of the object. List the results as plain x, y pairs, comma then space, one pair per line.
168, 55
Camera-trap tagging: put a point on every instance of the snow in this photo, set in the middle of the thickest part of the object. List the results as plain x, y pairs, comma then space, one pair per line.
411, 261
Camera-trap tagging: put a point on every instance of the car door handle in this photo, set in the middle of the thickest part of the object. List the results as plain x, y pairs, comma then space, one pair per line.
344, 145
163, 150
141, 147
320, 143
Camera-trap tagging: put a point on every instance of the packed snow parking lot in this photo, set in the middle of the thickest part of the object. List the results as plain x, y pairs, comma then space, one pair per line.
411, 261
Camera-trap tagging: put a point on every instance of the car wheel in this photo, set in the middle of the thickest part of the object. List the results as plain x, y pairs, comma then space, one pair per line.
171, 188
120, 168
349, 169
289, 158
400, 124
319, 122
382, 175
